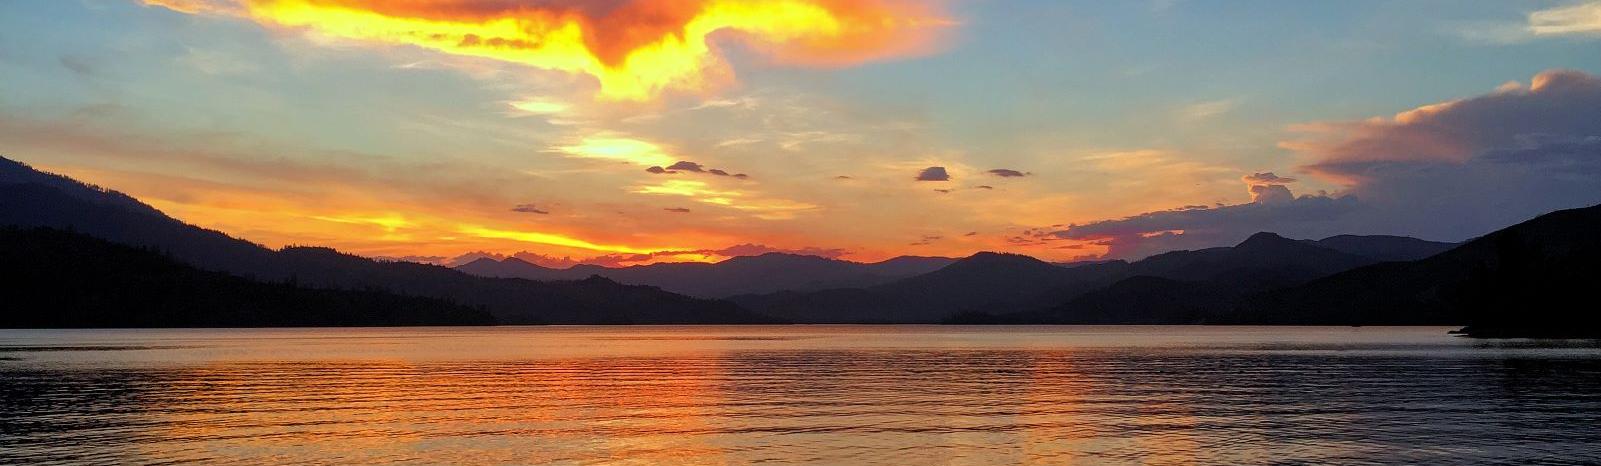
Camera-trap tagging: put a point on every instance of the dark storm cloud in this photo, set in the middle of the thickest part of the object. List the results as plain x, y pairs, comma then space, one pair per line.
933, 174
684, 166
1007, 173
529, 209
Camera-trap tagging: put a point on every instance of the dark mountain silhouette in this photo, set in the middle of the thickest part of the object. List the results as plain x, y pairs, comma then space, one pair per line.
1385, 248
512, 267
60, 279
983, 282
749, 274
16, 173
1294, 260
1530, 279
33, 199
1184, 287
765, 273
908, 266
1523, 280
1174, 287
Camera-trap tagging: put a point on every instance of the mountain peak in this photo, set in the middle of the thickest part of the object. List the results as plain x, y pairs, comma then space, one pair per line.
779, 256
479, 262
519, 262
1266, 240
1000, 258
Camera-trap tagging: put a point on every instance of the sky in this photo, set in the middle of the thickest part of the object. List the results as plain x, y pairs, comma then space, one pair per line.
623, 132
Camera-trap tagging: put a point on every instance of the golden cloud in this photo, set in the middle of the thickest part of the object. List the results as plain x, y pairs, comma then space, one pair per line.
636, 49
762, 208
1580, 19
553, 239
618, 148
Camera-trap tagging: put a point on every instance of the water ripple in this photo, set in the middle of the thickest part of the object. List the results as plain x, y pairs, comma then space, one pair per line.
795, 396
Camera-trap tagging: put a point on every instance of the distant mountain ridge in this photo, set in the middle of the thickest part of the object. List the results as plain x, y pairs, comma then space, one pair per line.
29, 198
985, 281
1183, 287
766, 273
1385, 248
997, 287
1529, 279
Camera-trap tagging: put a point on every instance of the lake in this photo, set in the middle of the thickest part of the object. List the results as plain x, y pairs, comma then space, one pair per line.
823, 395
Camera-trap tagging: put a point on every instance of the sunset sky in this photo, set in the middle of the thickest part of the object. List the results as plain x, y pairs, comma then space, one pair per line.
634, 131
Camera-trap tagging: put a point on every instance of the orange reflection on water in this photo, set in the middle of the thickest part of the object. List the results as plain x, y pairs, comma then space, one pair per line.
779, 395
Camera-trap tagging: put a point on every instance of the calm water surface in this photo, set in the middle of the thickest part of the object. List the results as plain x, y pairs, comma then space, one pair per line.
796, 395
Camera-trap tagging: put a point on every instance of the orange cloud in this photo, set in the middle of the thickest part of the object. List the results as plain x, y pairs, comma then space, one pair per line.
636, 49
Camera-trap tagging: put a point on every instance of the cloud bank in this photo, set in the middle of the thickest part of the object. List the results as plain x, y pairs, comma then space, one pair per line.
1447, 171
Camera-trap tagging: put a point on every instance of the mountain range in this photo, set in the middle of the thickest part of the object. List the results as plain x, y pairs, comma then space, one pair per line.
992, 287
1192, 287
29, 198
1528, 279
766, 273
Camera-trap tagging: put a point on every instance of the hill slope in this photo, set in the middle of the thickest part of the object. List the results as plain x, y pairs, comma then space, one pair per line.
60, 279
1385, 248
1531, 279
1186, 287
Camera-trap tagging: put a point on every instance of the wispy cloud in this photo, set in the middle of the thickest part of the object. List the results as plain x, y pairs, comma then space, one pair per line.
618, 148
538, 106
760, 207
1207, 109
1583, 19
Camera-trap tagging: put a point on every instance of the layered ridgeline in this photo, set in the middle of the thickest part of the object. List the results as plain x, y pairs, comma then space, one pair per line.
1175, 287
63, 279
1525, 280
766, 273
29, 198
1204, 286
1528, 280
991, 282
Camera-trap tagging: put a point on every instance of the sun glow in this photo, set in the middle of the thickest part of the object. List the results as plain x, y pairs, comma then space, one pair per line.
555, 240
388, 222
